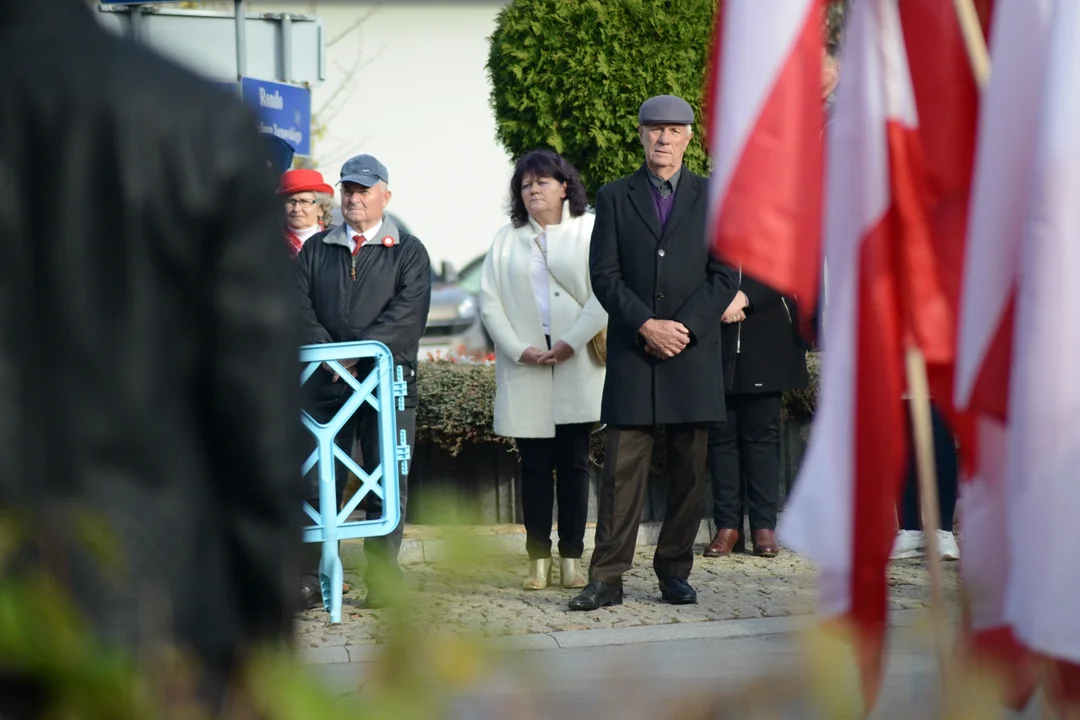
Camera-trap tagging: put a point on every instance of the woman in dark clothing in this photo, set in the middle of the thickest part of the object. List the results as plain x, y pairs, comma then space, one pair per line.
910, 540
763, 356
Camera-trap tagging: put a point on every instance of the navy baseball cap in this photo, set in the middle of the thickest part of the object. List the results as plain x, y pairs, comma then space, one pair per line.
364, 170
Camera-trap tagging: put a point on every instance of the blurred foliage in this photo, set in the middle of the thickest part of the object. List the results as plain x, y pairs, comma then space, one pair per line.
457, 404
421, 669
571, 75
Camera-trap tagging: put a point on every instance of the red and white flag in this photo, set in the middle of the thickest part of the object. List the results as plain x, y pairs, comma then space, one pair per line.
765, 114
1019, 341
947, 98
842, 510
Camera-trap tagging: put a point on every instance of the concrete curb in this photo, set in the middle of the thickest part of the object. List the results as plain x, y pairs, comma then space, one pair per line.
608, 637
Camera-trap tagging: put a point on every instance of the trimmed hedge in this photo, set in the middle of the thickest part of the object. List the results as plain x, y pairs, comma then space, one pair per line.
570, 76
457, 404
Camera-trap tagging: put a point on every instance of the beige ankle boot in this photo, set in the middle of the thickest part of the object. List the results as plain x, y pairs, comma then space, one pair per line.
539, 575
572, 577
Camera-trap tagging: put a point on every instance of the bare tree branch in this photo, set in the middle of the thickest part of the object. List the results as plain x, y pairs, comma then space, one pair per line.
352, 26
346, 86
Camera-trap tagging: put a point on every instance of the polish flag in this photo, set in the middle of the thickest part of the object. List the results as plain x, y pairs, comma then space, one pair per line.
765, 114
842, 510
1018, 344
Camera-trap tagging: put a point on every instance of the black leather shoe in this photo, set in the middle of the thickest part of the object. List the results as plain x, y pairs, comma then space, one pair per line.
310, 592
597, 595
677, 591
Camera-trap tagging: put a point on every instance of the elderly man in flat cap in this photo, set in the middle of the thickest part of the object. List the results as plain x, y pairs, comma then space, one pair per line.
664, 294
366, 279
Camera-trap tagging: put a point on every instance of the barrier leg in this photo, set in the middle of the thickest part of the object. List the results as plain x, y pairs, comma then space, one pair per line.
331, 579
330, 571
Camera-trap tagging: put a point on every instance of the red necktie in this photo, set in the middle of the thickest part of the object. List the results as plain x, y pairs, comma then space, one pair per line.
359, 240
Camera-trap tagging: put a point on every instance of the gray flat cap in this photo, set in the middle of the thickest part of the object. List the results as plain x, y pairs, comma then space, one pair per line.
665, 110
364, 170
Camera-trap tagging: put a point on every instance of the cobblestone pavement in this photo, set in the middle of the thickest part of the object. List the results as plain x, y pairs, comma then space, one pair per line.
485, 597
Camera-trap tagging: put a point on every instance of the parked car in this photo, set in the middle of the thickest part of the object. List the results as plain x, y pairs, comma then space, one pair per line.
464, 334
454, 327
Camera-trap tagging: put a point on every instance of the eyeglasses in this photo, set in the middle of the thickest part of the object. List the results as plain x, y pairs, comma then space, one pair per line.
302, 202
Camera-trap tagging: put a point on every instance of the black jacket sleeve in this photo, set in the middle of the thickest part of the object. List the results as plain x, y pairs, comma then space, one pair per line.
625, 309
708, 302
759, 294
312, 331
252, 398
401, 324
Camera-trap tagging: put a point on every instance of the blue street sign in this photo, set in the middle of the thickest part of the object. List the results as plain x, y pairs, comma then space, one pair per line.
283, 110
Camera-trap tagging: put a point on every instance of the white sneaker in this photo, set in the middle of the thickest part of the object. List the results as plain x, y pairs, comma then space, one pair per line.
946, 545
908, 544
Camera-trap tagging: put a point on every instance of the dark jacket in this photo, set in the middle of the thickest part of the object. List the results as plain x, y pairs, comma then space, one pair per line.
148, 367
639, 272
387, 301
764, 352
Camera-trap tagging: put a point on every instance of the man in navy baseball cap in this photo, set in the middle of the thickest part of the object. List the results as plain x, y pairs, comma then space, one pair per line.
366, 279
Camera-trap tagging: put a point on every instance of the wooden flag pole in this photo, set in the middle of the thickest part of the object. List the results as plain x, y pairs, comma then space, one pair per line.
971, 29
974, 40
923, 439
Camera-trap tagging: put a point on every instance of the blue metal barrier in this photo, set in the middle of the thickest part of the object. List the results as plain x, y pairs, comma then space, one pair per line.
386, 393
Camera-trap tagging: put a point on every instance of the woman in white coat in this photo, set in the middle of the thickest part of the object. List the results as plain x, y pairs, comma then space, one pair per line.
537, 303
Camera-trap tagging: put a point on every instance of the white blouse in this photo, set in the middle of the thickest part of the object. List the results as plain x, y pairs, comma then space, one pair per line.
541, 282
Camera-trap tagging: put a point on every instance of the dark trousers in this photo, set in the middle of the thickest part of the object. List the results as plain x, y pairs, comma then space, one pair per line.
567, 455
622, 497
744, 453
947, 465
360, 439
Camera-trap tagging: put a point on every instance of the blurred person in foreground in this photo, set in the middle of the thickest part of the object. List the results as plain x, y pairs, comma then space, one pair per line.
537, 303
308, 204
279, 153
664, 293
364, 280
148, 371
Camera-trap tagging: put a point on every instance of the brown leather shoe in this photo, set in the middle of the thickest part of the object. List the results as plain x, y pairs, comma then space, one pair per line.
765, 543
723, 544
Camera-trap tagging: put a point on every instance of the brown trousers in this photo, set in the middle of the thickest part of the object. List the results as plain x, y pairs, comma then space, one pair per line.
622, 498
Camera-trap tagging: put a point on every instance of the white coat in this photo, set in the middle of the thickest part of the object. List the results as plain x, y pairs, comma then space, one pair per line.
531, 400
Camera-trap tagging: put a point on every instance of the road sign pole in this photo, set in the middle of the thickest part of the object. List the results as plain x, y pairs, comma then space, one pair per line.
241, 40
136, 23
286, 46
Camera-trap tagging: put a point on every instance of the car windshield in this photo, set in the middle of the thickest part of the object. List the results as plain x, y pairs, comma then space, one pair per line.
469, 278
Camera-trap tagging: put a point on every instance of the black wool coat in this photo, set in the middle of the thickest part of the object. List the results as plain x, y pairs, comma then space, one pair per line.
640, 271
764, 353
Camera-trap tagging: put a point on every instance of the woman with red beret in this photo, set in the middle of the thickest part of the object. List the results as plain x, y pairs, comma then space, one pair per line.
308, 201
